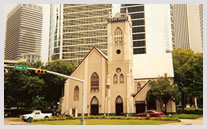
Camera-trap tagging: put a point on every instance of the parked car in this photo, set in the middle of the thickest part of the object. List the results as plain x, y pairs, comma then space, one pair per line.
36, 114
152, 113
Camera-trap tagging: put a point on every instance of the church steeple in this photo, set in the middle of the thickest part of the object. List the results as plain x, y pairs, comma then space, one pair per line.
119, 38
120, 78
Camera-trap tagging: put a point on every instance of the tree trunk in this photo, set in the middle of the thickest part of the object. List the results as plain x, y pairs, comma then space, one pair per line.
183, 101
195, 100
165, 108
161, 105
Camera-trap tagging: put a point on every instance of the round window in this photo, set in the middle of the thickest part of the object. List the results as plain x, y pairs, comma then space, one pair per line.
118, 70
118, 51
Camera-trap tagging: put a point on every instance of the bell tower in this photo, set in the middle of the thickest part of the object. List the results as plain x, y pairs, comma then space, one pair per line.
120, 38
120, 53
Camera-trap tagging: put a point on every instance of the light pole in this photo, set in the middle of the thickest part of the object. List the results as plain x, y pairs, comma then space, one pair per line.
68, 77
83, 103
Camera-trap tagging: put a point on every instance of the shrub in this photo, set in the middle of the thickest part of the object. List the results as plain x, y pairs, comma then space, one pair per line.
165, 119
194, 111
112, 117
179, 110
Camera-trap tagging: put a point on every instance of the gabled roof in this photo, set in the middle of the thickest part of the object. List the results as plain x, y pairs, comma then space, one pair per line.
94, 48
141, 89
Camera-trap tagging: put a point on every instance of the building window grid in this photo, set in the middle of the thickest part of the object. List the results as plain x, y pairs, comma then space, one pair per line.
92, 20
138, 24
83, 23
85, 34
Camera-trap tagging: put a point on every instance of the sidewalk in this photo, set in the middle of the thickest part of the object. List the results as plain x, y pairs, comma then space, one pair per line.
198, 121
7, 121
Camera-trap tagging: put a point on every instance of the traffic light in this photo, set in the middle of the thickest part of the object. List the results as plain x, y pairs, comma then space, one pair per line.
40, 71
6, 71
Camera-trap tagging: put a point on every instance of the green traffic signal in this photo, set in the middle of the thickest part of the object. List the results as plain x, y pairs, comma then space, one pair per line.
6, 71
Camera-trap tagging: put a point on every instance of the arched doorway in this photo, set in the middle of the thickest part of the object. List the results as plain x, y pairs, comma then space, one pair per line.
119, 106
94, 106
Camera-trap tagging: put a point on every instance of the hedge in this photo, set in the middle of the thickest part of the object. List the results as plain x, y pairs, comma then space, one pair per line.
194, 111
110, 117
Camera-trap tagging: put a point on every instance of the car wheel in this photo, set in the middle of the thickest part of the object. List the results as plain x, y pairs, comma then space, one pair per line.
46, 117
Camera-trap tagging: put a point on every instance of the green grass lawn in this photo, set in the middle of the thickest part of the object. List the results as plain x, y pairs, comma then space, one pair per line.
105, 122
101, 122
187, 116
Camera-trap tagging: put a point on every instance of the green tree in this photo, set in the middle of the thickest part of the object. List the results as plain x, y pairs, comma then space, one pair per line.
55, 84
188, 69
162, 90
20, 88
26, 89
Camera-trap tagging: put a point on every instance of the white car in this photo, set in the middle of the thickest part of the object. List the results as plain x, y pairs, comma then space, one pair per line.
36, 114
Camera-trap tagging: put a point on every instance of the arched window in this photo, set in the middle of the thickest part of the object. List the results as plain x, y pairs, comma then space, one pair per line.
138, 86
94, 101
94, 82
115, 79
121, 78
118, 36
76, 93
119, 100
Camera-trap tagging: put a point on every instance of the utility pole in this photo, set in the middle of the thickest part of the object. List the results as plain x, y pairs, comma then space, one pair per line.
68, 77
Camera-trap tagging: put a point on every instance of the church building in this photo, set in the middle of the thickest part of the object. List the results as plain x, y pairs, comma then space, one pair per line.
116, 84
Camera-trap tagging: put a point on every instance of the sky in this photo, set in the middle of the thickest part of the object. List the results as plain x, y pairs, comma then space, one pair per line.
45, 29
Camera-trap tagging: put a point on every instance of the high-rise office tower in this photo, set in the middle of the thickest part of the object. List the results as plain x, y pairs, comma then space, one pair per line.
188, 26
23, 31
76, 28
55, 38
201, 21
138, 22
151, 27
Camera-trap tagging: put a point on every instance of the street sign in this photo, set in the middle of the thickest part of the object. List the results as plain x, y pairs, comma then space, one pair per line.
20, 67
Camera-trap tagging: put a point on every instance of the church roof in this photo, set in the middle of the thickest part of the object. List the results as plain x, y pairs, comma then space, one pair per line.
94, 48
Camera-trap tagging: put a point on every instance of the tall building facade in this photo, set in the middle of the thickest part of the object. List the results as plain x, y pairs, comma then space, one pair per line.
151, 27
76, 28
188, 26
55, 32
23, 31
138, 22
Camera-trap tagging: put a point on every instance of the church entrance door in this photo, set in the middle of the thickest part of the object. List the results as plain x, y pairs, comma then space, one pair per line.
140, 106
94, 106
119, 106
